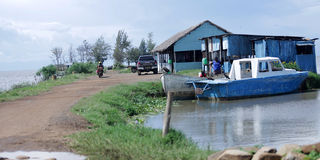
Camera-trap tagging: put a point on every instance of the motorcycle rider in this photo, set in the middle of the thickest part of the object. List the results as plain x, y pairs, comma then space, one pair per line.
99, 65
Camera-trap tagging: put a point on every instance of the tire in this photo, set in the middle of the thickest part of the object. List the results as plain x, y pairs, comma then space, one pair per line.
155, 71
139, 73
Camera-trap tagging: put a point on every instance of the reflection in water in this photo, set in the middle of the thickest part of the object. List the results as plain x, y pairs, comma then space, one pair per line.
292, 118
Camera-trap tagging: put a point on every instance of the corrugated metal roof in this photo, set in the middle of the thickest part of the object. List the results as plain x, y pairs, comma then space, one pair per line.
166, 44
305, 44
258, 37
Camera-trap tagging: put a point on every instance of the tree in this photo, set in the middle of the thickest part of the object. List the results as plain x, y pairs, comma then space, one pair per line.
87, 48
150, 43
133, 54
72, 57
85, 52
81, 53
100, 50
121, 47
56, 55
143, 47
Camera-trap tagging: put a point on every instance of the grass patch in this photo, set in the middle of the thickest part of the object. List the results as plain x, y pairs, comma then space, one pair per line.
26, 89
313, 155
192, 72
117, 131
312, 81
124, 70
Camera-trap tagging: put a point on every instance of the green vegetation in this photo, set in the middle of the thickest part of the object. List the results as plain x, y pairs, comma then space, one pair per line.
313, 155
125, 70
25, 89
82, 68
192, 72
47, 71
21, 85
312, 81
118, 66
291, 65
117, 132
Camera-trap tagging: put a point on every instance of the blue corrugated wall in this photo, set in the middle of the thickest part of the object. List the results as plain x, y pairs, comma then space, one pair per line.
286, 50
192, 42
260, 48
239, 45
307, 62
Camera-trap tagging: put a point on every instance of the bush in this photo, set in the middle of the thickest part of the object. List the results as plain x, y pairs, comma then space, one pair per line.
313, 155
47, 71
291, 65
118, 66
312, 81
82, 68
21, 85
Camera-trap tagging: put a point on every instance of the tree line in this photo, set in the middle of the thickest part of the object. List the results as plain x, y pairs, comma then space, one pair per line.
123, 52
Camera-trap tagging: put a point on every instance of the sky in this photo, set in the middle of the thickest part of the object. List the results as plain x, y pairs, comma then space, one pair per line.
29, 29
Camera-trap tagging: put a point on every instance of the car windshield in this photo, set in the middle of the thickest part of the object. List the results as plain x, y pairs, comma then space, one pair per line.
146, 58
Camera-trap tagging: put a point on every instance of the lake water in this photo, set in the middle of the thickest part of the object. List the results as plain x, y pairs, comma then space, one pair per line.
269, 121
10, 78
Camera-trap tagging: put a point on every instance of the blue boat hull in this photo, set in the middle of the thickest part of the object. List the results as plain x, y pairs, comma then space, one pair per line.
252, 87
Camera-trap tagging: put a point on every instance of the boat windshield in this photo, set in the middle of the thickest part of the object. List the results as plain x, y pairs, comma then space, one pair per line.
276, 66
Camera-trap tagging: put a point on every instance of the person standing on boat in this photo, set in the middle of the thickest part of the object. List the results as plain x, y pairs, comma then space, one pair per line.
216, 66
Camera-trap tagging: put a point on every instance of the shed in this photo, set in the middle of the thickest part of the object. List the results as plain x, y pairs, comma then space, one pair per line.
229, 47
184, 48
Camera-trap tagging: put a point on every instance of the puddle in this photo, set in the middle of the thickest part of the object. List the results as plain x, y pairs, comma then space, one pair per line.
37, 155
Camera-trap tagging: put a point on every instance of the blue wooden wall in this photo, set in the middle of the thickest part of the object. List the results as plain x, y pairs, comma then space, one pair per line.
260, 48
192, 42
239, 45
286, 50
307, 61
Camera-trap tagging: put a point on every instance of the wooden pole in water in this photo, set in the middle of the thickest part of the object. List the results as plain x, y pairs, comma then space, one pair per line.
167, 115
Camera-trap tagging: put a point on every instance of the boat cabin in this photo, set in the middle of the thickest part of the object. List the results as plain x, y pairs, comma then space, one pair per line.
257, 68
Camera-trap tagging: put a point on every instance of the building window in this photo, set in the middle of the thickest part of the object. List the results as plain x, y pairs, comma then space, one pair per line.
186, 56
304, 49
198, 56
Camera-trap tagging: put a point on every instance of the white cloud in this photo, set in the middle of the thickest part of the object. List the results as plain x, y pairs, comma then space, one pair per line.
1, 53
35, 30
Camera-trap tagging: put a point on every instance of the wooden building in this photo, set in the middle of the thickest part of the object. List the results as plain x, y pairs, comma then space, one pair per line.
184, 48
229, 47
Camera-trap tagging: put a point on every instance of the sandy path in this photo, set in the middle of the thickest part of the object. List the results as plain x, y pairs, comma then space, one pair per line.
42, 122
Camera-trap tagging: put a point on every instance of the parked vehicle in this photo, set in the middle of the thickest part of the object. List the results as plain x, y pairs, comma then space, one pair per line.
251, 77
147, 63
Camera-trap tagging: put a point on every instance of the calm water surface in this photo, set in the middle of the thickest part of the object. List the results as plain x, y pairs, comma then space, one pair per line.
272, 121
11, 78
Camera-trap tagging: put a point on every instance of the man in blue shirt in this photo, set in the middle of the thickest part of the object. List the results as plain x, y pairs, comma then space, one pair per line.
216, 66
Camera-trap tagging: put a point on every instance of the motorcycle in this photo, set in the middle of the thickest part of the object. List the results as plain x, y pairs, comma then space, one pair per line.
100, 72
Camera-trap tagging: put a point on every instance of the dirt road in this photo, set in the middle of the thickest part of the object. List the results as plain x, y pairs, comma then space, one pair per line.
42, 122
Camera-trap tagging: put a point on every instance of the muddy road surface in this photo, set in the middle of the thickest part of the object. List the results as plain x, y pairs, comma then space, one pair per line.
42, 122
